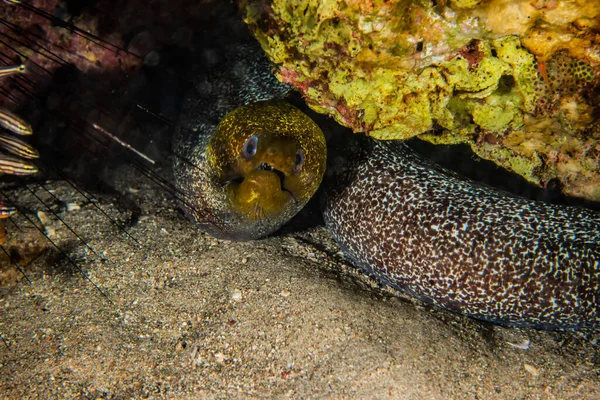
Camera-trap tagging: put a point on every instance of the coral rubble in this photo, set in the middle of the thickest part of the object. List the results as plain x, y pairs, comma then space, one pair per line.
518, 80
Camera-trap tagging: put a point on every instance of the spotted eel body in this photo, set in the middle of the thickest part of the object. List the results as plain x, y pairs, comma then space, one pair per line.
463, 246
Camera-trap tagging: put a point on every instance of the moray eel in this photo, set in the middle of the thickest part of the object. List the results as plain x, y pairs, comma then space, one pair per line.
463, 246
245, 165
408, 223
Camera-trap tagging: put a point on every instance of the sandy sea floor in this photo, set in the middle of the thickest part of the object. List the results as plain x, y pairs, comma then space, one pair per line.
136, 302
182, 315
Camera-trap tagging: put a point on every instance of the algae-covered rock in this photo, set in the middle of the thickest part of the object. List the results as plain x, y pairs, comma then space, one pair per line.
517, 80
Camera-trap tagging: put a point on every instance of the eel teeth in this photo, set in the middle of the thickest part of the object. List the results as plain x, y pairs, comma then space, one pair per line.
265, 167
280, 174
268, 167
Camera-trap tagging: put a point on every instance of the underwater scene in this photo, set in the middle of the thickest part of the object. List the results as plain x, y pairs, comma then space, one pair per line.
300, 199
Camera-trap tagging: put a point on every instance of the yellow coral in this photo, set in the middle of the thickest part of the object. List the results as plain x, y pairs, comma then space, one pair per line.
397, 69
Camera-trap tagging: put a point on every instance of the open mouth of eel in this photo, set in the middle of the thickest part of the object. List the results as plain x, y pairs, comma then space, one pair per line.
268, 167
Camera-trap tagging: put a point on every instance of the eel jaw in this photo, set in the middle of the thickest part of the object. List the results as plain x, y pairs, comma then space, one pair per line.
260, 193
268, 167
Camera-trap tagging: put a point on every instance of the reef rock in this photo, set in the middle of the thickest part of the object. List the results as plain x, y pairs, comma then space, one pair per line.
518, 80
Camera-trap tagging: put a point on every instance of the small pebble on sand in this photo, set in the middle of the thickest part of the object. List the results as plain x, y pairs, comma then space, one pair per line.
236, 295
531, 369
73, 207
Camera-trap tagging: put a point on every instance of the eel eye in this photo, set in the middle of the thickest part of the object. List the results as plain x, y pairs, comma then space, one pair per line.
249, 149
299, 161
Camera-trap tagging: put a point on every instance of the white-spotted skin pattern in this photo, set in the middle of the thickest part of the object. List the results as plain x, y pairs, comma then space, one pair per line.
463, 246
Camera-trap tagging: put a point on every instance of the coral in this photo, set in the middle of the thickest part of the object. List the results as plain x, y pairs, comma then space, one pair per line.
516, 80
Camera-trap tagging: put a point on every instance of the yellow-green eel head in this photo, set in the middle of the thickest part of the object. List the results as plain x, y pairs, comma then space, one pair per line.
255, 171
